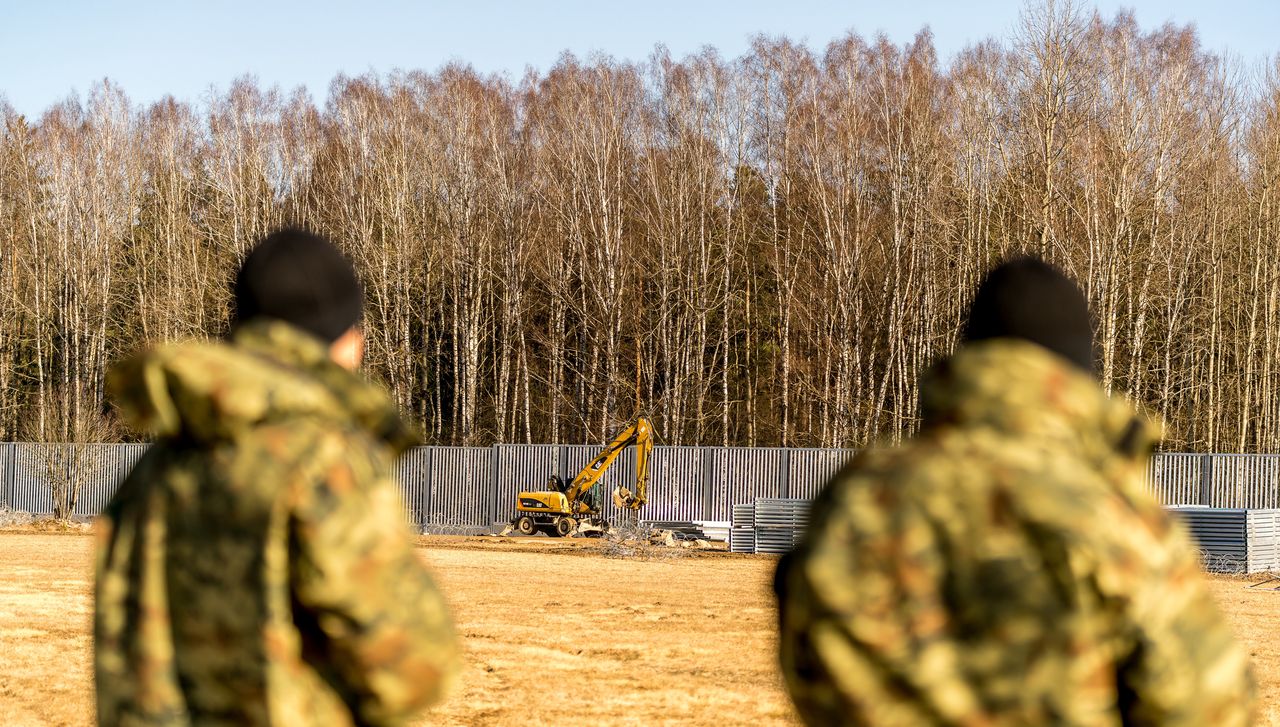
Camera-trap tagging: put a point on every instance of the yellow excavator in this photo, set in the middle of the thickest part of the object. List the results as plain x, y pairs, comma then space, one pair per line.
563, 508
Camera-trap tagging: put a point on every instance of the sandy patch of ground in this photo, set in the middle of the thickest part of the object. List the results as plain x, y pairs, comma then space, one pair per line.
651, 639
1252, 605
660, 638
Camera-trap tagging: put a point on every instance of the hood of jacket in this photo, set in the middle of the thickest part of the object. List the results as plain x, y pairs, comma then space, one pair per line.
1021, 389
267, 372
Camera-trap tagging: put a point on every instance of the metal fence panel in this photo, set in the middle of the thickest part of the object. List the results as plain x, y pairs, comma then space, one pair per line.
29, 489
780, 523
98, 468
413, 472
461, 489
740, 474
1220, 534
1264, 540
1244, 480
675, 484
105, 466
475, 485
6, 475
1176, 479
742, 528
809, 470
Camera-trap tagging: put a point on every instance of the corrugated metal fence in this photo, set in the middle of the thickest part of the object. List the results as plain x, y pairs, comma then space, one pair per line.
31, 470
476, 486
1217, 480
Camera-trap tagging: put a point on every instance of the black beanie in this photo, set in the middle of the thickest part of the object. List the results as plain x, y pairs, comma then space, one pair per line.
1032, 300
300, 278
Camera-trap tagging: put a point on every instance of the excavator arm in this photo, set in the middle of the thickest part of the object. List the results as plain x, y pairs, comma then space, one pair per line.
622, 497
640, 435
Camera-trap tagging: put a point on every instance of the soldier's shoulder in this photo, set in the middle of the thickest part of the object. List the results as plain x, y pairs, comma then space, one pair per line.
313, 441
959, 476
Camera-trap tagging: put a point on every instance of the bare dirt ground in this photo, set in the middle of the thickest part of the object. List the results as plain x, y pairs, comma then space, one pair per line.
645, 639
666, 639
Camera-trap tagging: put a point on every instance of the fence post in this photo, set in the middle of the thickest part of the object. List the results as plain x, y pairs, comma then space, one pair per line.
1206, 480
562, 462
784, 480
708, 481
11, 450
428, 479
493, 476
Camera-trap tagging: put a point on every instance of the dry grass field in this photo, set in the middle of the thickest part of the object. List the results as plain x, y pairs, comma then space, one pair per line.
684, 638
661, 640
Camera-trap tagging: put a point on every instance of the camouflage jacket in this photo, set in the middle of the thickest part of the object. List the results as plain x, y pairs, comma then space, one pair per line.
1006, 567
255, 568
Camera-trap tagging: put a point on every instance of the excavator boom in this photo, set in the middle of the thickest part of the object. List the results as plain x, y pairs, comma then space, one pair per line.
639, 434
642, 439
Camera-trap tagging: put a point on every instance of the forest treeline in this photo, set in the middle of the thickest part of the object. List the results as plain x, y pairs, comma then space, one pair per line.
763, 250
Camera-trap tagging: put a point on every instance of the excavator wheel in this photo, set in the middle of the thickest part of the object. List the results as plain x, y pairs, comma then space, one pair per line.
524, 525
563, 526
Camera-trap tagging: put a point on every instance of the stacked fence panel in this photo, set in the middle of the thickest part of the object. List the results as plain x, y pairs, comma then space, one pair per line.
742, 528
1264, 540
1221, 534
779, 523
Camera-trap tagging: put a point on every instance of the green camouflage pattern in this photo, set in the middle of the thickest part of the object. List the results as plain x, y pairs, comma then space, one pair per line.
1006, 567
255, 568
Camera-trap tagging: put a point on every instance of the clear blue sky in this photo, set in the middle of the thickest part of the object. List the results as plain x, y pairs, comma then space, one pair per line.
49, 49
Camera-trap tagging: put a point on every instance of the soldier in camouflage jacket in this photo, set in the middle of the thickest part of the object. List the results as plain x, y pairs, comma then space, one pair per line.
255, 567
1006, 566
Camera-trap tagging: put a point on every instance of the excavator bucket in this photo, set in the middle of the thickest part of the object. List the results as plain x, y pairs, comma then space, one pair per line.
623, 499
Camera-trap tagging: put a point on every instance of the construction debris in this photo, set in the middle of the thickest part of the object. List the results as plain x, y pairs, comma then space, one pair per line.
663, 537
668, 539
589, 529
632, 537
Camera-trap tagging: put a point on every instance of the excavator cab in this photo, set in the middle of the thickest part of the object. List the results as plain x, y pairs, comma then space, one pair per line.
590, 501
563, 507
554, 483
